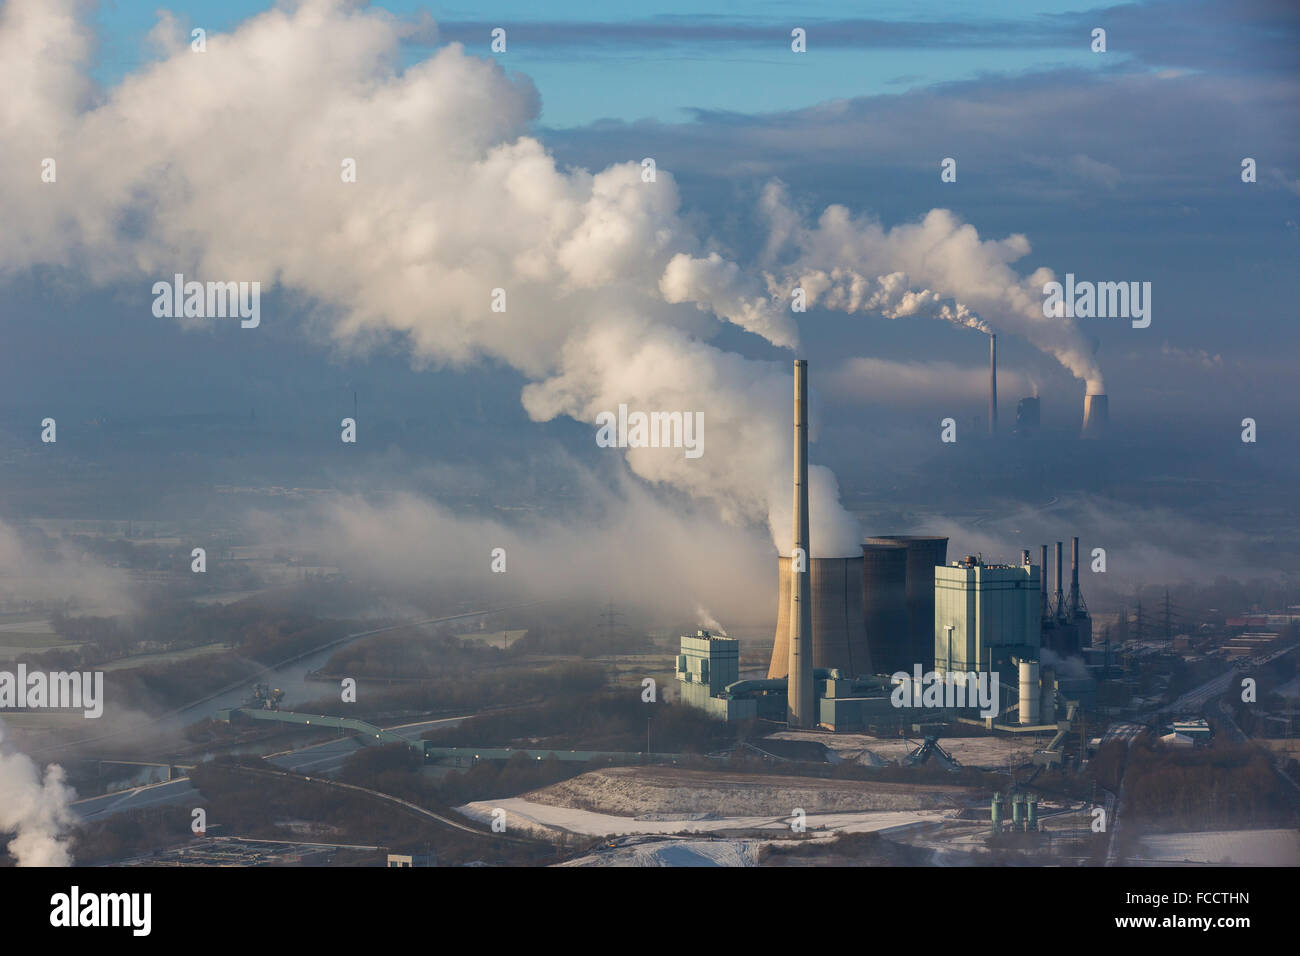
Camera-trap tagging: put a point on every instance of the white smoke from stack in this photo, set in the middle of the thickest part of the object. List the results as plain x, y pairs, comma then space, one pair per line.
708, 621
840, 254
35, 809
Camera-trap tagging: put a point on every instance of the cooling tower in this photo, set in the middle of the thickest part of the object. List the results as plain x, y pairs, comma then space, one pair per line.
839, 636
993, 384
923, 554
1096, 415
884, 606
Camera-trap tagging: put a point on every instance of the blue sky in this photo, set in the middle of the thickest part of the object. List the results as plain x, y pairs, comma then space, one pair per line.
593, 61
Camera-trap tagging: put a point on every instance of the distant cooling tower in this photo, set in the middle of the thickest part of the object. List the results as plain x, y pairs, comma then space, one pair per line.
839, 637
884, 606
1096, 415
923, 554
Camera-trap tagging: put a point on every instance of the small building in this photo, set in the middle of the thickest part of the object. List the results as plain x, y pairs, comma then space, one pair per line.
411, 859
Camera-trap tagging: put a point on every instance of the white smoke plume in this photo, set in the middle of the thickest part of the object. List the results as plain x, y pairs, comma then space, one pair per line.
708, 621
34, 808
836, 259
227, 166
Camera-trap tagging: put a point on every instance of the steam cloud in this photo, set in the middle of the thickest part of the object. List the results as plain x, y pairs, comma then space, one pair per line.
969, 280
35, 809
225, 166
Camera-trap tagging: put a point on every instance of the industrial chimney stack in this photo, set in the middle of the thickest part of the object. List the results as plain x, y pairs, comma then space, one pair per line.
1060, 595
993, 384
799, 681
1074, 578
1042, 582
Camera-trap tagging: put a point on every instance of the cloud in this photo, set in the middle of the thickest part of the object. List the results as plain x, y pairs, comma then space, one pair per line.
887, 382
624, 542
37, 570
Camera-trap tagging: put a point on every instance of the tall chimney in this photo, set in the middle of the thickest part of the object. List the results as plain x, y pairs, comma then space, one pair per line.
993, 384
799, 681
1060, 595
1074, 578
1042, 582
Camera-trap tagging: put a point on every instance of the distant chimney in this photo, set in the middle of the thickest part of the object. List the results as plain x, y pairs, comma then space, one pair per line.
1060, 595
993, 384
1074, 578
1043, 582
800, 699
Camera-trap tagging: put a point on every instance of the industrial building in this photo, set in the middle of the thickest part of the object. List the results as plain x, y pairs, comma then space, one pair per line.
985, 615
708, 670
706, 667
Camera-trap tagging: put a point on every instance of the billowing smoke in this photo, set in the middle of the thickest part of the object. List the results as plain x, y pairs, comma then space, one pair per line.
937, 267
622, 542
232, 165
1072, 668
34, 808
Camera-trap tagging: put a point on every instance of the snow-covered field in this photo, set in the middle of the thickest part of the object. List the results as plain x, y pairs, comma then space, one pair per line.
645, 793
677, 853
545, 819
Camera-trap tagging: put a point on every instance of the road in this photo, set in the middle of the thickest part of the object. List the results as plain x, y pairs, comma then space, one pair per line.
323, 758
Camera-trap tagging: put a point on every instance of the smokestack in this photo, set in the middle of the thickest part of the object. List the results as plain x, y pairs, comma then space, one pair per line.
1060, 595
799, 680
1042, 582
993, 384
1074, 578
1096, 415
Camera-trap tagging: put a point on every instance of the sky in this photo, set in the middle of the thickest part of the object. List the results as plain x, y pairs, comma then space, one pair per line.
524, 169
